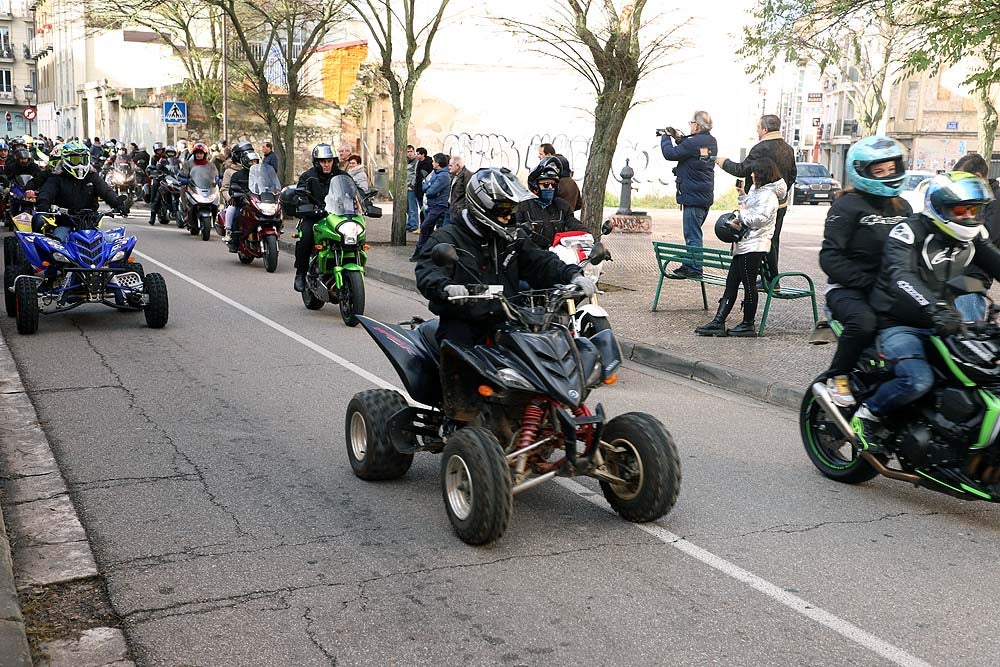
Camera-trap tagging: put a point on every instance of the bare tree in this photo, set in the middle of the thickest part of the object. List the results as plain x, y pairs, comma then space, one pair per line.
862, 50
399, 33
190, 29
275, 41
603, 46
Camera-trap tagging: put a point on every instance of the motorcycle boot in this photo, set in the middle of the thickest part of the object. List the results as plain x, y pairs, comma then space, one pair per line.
300, 282
233, 241
866, 426
717, 327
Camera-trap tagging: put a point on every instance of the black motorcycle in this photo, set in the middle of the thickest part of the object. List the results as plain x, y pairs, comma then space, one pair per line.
510, 415
948, 441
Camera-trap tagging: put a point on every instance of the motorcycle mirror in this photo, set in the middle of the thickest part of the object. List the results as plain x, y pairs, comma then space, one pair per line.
598, 254
444, 254
606, 227
966, 285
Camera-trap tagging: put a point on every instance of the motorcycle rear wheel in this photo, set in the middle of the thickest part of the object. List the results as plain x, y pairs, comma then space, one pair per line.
826, 447
352, 297
649, 463
369, 442
476, 486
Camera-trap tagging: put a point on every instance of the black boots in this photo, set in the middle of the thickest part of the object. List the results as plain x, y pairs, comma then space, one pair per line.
717, 327
300, 282
744, 330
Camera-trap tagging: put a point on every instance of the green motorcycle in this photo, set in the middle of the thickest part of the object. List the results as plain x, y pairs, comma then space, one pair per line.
336, 272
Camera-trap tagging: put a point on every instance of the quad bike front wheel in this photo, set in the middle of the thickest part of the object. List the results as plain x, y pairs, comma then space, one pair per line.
641, 452
369, 442
26, 306
476, 485
827, 447
157, 310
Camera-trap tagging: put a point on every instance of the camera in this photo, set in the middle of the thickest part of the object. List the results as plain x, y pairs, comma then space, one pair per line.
665, 130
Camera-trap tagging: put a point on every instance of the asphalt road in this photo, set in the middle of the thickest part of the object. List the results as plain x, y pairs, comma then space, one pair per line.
207, 462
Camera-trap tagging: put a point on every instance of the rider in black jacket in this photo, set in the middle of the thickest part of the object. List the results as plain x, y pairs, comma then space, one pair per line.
910, 297
548, 215
23, 164
77, 187
317, 182
489, 253
854, 237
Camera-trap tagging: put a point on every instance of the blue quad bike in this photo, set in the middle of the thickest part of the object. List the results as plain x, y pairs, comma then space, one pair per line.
73, 262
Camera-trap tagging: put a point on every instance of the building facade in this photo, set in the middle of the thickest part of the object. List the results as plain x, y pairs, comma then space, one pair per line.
18, 86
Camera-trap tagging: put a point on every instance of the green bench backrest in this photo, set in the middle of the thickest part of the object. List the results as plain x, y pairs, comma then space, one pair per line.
713, 258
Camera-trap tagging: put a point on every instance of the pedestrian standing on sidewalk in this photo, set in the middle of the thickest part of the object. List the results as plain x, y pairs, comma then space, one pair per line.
774, 146
854, 237
412, 208
755, 222
460, 176
437, 187
695, 174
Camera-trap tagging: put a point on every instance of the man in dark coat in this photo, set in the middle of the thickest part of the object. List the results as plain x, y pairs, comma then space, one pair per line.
459, 180
695, 174
772, 145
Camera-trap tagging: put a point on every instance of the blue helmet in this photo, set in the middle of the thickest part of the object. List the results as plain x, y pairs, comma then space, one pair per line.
872, 150
955, 202
4, 146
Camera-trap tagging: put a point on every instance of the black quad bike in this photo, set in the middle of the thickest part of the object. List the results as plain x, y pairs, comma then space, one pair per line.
511, 414
947, 441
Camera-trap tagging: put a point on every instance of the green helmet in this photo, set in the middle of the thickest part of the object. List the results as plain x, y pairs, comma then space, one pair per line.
75, 160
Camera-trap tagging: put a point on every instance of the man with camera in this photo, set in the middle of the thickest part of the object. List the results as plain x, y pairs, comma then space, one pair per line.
695, 172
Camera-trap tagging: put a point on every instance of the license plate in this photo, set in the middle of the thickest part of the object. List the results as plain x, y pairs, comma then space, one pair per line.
820, 196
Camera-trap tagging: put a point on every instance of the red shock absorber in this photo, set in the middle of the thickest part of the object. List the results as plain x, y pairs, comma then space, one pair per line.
586, 433
530, 423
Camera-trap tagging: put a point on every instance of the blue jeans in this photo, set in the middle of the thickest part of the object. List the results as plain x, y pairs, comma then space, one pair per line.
914, 376
694, 218
972, 307
411, 211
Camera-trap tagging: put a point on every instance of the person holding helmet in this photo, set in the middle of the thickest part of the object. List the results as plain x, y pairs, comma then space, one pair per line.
317, 181
911, 298
752, 228
76, 187
547, 215
490, 253
857, 226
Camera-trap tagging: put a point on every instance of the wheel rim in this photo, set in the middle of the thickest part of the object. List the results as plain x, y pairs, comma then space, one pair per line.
359, 436
628, 466
826, 441
458, 486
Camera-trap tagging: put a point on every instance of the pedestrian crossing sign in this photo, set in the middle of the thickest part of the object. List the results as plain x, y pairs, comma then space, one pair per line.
175, 112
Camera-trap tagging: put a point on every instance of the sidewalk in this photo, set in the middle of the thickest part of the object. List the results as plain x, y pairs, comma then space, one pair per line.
776, 368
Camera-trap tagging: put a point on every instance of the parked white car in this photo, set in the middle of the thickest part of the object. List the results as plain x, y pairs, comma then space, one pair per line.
914, 186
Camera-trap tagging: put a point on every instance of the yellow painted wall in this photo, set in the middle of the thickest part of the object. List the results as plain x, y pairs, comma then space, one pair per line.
340, 71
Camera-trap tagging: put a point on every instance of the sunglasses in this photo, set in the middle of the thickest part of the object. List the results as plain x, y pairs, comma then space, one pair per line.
547, 186
966, 210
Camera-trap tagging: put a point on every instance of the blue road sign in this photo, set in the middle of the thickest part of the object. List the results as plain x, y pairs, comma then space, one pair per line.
952, 124
175, 113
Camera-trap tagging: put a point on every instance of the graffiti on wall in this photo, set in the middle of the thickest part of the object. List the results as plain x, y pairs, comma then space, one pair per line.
490, 149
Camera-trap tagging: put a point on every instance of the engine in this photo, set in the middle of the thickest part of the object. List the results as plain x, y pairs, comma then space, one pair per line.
946, 431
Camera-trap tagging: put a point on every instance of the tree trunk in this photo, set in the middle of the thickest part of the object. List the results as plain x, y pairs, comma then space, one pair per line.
287, 156
987, 120
400, 201
609, 116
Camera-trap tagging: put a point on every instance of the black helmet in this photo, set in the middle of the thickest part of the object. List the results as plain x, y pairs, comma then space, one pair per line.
157, 147
22, 155
323, 152
725, 232
239, 149
492, 194
549, 169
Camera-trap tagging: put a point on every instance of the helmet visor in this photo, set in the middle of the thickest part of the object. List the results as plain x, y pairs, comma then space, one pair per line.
76, 159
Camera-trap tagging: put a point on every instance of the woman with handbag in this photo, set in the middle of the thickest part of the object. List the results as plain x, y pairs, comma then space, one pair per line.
749, 230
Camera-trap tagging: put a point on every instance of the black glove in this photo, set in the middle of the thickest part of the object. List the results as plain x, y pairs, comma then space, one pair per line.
945, 318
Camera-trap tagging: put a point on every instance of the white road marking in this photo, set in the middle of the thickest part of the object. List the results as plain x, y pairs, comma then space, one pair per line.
842, 627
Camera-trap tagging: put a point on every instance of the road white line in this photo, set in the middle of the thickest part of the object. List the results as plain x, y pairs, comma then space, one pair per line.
840, 626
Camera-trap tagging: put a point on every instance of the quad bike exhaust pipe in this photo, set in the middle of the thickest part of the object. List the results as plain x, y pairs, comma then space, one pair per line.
822, 395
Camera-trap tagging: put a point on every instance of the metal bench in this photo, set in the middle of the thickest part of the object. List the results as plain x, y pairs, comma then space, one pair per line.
719, 260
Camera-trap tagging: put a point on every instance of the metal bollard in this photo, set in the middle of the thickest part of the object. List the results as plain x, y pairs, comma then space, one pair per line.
625, 204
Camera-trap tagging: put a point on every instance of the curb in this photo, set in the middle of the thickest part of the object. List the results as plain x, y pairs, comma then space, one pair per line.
782, 394
51, 547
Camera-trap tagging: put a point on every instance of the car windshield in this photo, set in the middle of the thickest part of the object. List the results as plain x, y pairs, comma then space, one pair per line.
812, 170
203, 176
913, 180
263, 179
341, 198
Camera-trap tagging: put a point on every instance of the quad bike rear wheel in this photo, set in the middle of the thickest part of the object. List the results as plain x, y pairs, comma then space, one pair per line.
369, 442
26, 306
